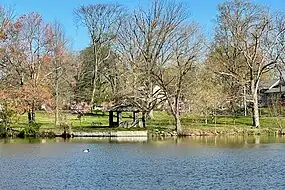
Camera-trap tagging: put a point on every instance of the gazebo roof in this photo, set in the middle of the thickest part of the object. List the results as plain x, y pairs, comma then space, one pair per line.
123, 108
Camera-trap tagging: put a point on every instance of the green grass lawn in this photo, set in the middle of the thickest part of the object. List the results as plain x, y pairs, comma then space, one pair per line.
161, 121
164, 121
85, 123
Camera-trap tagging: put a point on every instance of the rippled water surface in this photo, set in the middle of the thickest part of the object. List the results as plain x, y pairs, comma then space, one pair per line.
199, 163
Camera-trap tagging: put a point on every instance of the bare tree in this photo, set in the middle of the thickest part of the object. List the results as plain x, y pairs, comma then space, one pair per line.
227, 63
108, 83
208, 95
24, 51
248, 30
6, 16
145, 42
57, 50
102, 22
174, 76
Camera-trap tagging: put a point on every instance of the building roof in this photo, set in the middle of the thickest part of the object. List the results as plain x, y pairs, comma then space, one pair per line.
268, 84
123, 108
275, 90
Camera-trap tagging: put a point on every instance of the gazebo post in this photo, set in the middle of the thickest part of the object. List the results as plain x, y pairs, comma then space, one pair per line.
134, 116
135, 119
143, 119
118, 109
119, 117
111, 124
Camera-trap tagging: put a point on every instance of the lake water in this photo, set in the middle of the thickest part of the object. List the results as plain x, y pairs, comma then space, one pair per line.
138, 163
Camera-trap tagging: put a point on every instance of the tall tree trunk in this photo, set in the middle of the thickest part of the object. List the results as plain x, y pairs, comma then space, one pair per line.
31, 115
150, 100
178, 127
94, 86
56, 120
93, 89
175, 113
244, 100
95, 73
255, 111
252, 115
150, 114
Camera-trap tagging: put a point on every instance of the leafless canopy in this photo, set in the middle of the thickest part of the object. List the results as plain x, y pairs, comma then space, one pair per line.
101, 20
248, 33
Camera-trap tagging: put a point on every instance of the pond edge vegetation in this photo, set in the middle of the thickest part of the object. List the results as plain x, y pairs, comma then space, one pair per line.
156, 60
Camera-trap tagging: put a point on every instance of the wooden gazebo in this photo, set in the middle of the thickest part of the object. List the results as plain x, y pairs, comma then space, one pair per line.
118, 109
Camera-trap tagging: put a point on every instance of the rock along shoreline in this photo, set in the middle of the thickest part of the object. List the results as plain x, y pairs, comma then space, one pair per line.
151, 133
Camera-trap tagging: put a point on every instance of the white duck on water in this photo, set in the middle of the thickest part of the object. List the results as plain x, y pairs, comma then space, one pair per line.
86, 150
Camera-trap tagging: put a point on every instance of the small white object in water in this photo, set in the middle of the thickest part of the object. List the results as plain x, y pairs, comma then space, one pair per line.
86, 150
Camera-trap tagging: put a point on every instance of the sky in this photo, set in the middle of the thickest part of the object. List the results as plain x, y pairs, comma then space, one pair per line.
202, 11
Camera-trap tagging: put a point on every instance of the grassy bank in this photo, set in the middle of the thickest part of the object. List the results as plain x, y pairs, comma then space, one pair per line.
87, 123
162, 121
196, 125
